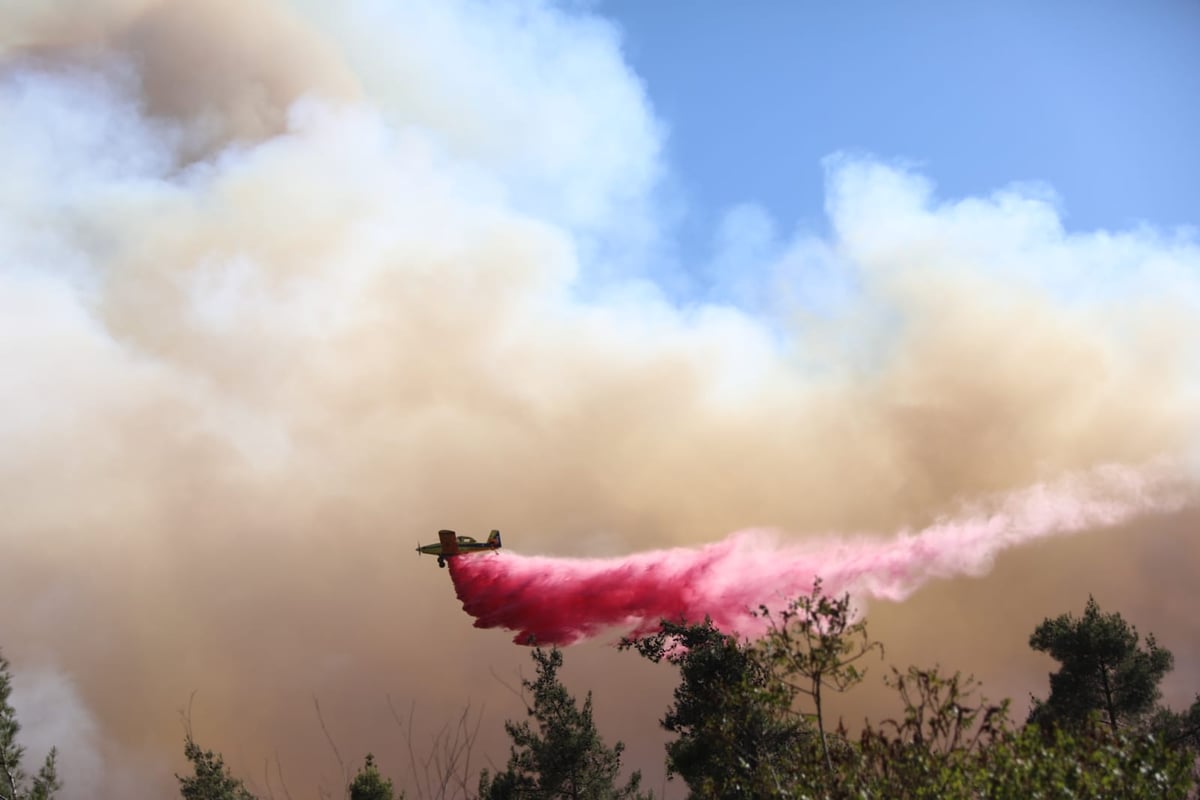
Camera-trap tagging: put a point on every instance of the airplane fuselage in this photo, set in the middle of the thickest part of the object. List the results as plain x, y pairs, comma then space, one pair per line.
450, 544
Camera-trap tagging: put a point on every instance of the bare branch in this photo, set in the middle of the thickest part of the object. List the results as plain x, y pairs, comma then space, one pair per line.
517, 693
267, 778
334, 748
446, 770
279, 773
185, 716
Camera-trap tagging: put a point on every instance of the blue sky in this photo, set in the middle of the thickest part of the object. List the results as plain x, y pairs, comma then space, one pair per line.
1099, 100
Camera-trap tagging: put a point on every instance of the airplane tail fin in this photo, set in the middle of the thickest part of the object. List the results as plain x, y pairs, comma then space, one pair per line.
494, 539
449, 543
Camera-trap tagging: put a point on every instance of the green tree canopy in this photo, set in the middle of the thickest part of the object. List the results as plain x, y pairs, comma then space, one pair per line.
1103, 669
369, 784
211, 779
14, 783
736, 733
816, 644
951, 745
563, 756
1178, 728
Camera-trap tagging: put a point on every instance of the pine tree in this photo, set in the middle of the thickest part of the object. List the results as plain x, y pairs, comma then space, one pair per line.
736, 733
211, 779
1103, 670
562, 754
369, 784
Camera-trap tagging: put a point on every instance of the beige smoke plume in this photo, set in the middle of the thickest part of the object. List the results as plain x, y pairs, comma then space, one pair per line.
286, 288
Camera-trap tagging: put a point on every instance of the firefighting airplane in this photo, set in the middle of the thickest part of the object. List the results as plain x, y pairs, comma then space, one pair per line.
452, 545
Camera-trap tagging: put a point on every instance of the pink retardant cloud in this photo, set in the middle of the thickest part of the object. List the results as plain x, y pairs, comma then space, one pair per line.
565, 600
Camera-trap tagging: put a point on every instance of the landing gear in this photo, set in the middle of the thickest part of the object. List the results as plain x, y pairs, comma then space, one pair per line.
441, 562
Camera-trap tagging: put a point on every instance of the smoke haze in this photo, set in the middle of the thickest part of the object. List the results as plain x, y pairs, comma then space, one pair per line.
286, 288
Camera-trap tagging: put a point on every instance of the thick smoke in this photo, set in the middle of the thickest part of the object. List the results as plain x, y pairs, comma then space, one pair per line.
559, 601
285, 287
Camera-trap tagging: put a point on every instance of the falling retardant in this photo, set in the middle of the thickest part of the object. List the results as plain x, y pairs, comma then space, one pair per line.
556, 601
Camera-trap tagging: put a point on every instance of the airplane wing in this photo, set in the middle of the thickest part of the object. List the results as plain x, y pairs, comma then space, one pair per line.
449, 543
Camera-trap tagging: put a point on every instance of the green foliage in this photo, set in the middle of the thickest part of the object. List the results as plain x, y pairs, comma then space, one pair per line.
815, 644
369, 784
1180, 730
738, 737
1090, 763
1188, 727
948, 744
934, 749
211, 779
565, 756
736, 733
14, 783
1103, 670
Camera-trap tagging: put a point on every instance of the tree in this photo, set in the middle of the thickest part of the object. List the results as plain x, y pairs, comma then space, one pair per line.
815, 644
369, 784
739, 735
1090, 762
736, 733
951, 745
934, 749
1178, 729
1103, 670
211, 779
564, 757
13, 781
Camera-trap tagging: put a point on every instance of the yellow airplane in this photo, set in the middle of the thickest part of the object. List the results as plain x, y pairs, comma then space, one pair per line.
452, 545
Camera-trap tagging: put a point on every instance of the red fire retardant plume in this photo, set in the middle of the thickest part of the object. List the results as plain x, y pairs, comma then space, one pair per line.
564, 600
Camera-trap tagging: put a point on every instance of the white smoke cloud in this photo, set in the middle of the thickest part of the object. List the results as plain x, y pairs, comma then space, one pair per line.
538, 96
53, 715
